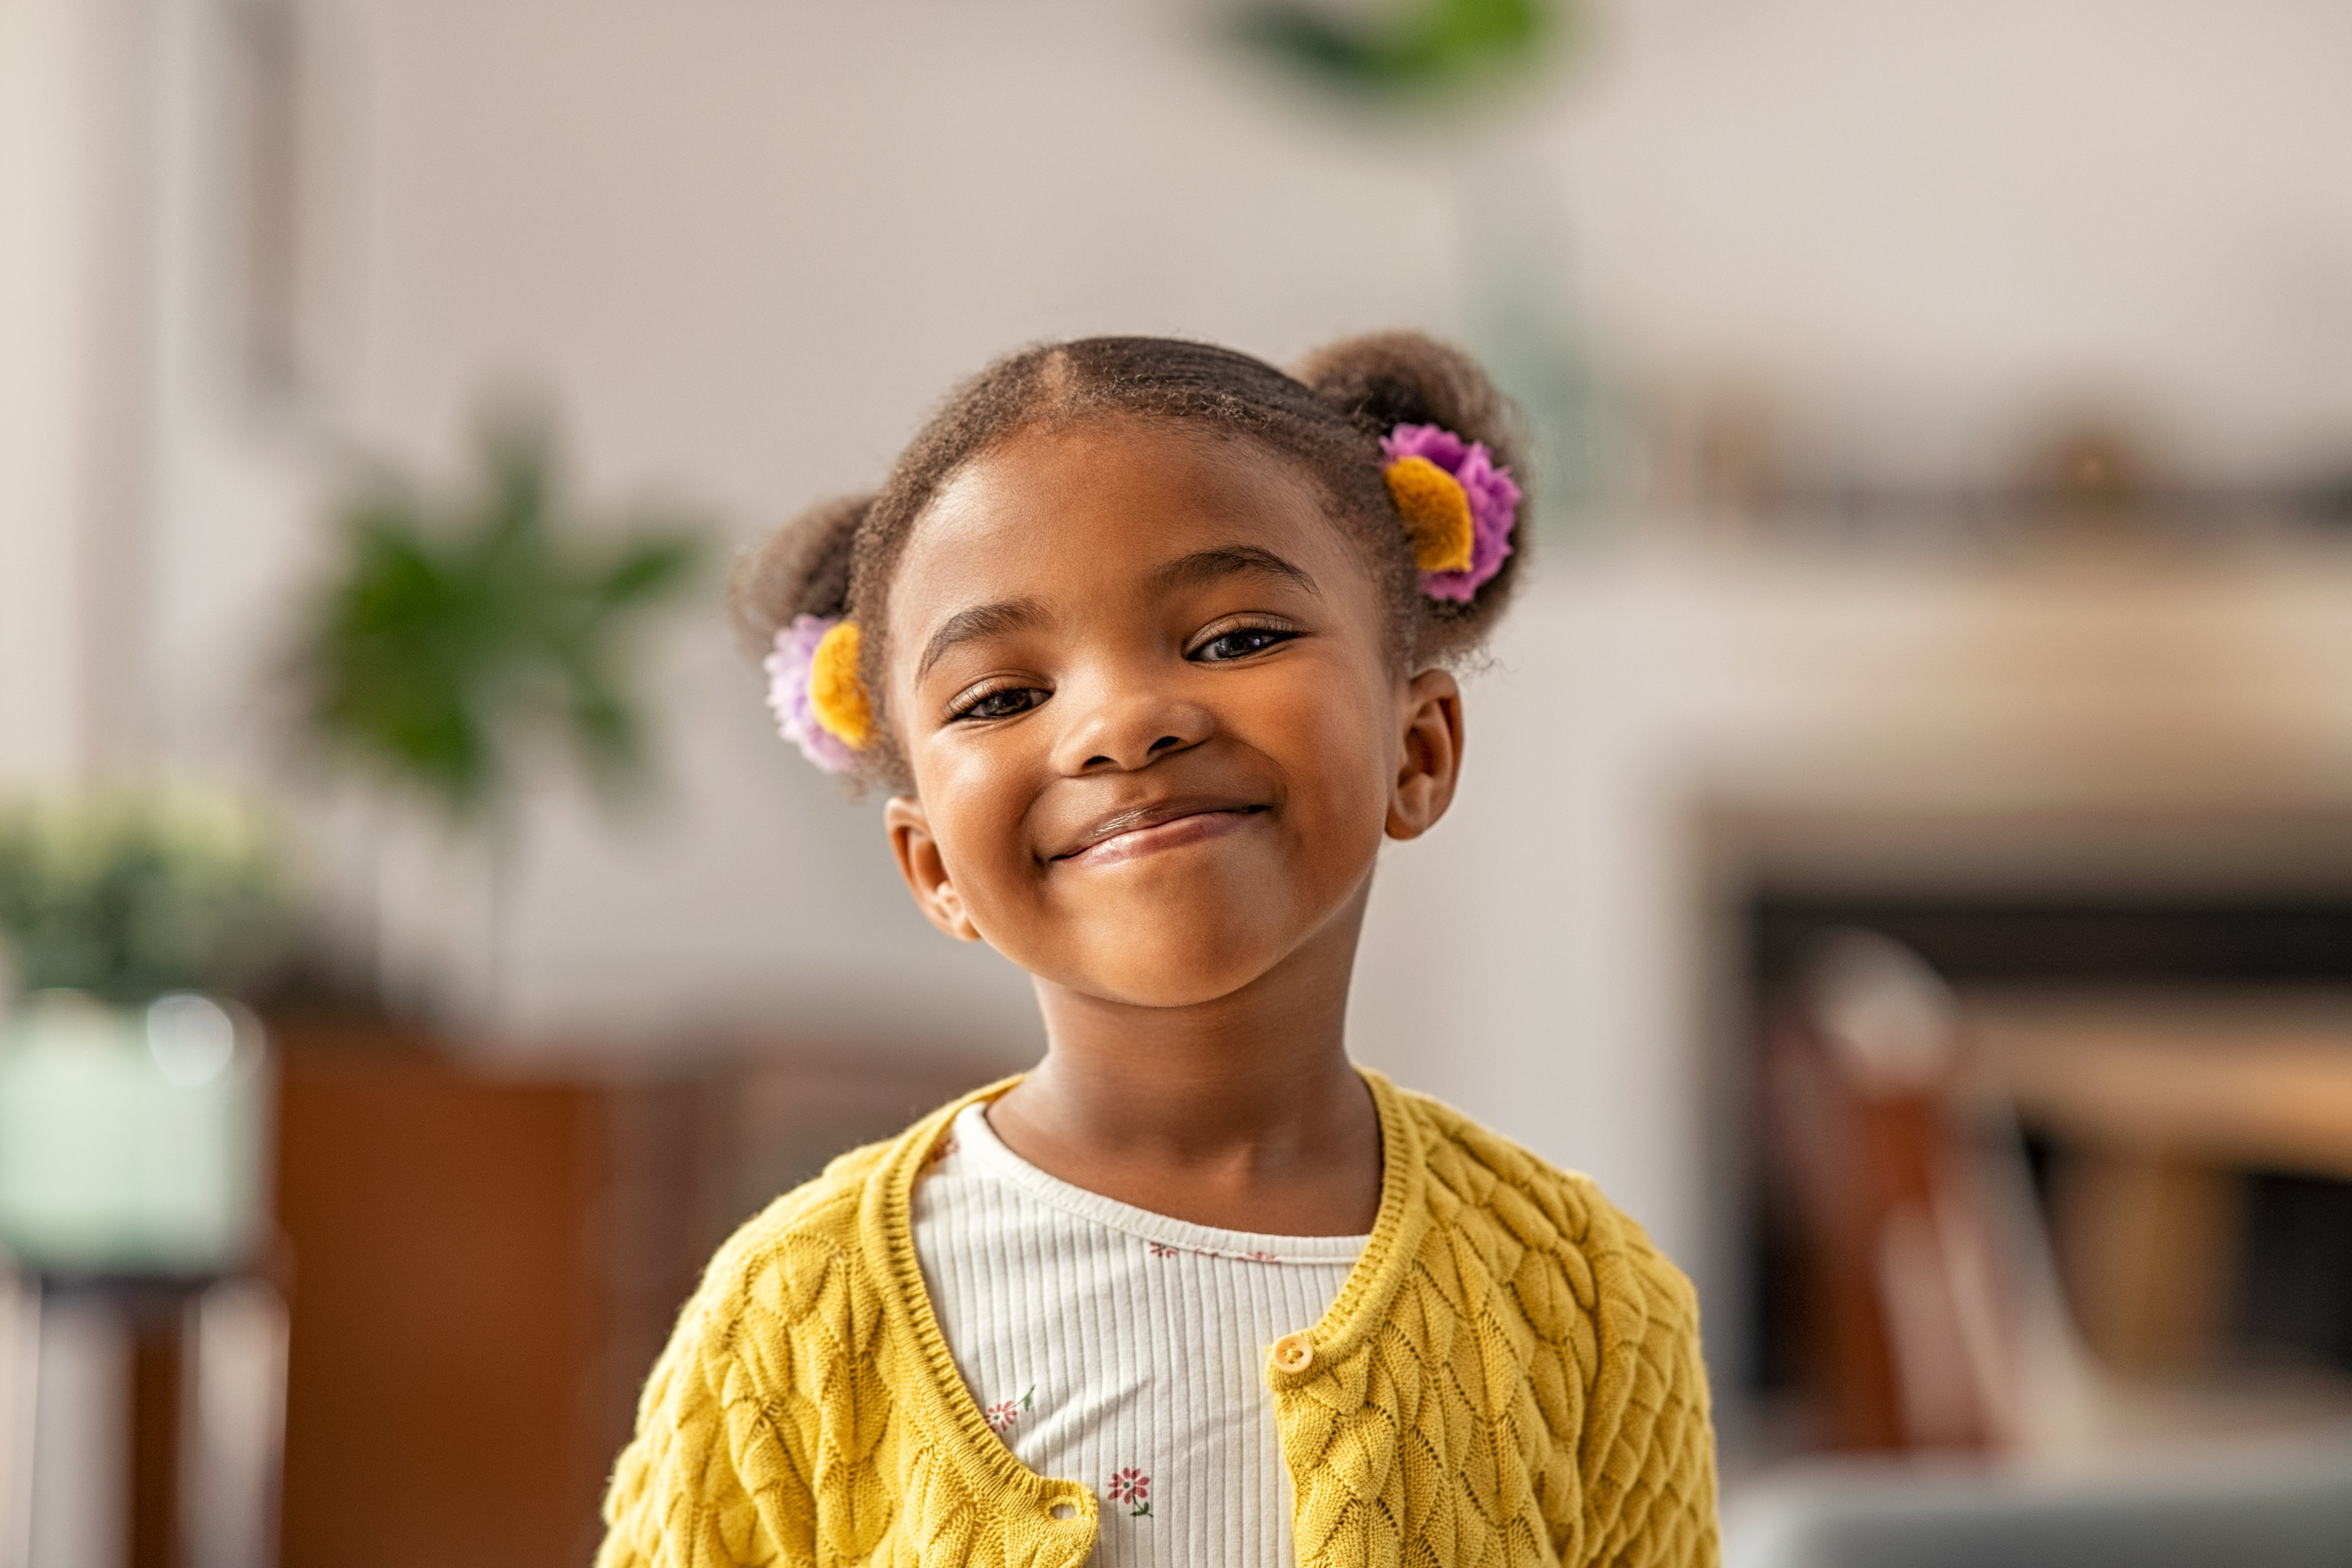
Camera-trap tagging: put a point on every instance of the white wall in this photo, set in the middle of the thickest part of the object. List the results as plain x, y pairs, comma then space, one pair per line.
74, 78
747, 242
1936, 225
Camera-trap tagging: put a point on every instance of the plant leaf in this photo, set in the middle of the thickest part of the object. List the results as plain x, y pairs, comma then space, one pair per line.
456, 629
1431, 46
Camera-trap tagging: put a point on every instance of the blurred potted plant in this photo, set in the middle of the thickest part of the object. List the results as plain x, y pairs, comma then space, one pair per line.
461, 637
133, 1097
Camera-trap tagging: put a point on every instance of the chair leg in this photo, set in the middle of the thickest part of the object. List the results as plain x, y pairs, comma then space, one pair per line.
233, 1440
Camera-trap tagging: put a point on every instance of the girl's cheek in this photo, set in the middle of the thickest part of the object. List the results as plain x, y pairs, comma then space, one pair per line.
1348, 734
979, 789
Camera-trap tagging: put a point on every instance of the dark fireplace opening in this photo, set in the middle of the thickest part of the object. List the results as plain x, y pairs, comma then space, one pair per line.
2290, 1287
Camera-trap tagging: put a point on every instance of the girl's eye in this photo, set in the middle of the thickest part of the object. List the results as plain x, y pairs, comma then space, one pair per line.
1241, 642
1001, 703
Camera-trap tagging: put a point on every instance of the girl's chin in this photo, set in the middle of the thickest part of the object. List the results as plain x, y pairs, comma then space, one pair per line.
1178, 979
1178, 942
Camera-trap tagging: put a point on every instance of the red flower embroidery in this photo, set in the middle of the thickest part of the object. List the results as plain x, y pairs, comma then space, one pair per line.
1160, 1251
1263, 1257
1132, 1486
1003, 1417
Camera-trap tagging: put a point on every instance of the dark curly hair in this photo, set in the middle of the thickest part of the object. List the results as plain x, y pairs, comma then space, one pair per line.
838, 557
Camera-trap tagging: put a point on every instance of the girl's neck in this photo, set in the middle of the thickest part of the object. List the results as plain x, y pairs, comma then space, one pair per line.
1242, 1113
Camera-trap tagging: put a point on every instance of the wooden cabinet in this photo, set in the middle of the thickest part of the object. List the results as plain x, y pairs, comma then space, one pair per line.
448, 1303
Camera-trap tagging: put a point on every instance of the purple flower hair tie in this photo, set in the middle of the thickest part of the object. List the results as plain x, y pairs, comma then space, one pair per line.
1486, 484
788, 693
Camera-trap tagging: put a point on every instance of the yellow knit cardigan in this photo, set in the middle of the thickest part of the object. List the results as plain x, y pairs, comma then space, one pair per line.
1510, 1375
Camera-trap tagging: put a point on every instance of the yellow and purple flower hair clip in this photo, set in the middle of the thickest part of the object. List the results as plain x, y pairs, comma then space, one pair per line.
818, 693
1459, 505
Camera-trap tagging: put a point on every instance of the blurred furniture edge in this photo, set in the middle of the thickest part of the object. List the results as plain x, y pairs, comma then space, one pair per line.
2272, 1505
487, 1255
2227, 1077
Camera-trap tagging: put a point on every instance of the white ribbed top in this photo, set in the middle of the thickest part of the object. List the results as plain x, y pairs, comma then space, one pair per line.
1123, 1349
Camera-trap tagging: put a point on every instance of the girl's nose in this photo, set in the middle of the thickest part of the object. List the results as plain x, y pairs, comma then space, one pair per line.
1129, 727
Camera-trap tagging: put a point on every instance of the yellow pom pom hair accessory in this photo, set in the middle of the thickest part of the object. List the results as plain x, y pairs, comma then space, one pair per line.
816, 693
1436, 513
1459, 506
836, 689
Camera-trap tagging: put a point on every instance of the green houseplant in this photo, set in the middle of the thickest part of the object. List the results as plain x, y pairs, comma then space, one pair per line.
466, 639
456, 631
124, 895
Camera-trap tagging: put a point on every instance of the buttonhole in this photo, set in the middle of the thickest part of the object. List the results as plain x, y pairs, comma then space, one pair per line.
1066, 1510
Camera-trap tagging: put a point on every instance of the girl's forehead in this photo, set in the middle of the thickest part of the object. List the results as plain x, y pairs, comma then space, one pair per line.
1057, 506
1096, 471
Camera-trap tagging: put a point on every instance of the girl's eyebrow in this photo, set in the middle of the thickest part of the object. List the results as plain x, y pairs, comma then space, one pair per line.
1184, 572
1225, 561
980, 621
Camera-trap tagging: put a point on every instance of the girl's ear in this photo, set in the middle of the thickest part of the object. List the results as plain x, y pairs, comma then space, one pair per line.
926, 872
1432, 757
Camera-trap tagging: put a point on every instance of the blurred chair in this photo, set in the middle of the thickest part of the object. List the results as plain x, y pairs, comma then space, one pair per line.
1933, 1312
2271, 1506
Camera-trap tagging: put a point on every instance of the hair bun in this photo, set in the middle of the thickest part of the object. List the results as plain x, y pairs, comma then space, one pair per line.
803, 569
1383, 380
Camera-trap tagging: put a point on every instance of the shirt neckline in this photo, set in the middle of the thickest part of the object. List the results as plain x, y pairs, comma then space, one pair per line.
886, 1237
988, 1156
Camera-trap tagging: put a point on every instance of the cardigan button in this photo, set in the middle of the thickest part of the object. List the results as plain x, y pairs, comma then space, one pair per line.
1293, 1353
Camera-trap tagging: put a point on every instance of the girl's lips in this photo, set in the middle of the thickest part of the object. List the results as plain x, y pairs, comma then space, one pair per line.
1193, 828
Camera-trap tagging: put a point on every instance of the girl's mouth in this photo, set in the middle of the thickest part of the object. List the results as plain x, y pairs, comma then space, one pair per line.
1131, 835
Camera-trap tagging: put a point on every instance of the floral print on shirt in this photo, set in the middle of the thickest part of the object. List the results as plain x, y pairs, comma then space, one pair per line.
1161, 1249
1005, 1415
1132, 1486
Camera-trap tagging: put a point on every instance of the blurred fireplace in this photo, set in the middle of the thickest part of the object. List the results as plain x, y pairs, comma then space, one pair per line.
1686, 733
2272, 1240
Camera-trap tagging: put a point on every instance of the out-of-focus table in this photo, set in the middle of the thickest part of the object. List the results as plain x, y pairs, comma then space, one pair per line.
2156, 1101
2228, 1081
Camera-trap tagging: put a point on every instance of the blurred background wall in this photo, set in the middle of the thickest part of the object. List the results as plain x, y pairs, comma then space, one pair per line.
745, 246
1813, 295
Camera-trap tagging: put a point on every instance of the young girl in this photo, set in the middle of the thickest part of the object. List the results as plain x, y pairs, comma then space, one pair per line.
1150, 643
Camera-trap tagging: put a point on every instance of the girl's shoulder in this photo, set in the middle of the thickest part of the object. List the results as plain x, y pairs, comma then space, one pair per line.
1483, 1185
780, 1263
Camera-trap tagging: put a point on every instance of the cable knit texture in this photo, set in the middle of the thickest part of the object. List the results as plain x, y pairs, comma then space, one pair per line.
1509, 1376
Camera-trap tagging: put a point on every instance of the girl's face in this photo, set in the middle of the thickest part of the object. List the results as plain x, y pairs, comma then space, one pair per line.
1141, 685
